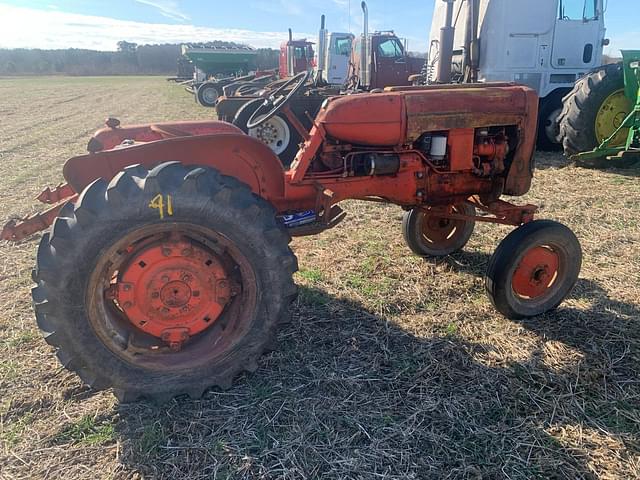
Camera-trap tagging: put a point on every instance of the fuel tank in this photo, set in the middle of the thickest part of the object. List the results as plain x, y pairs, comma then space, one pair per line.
401, 115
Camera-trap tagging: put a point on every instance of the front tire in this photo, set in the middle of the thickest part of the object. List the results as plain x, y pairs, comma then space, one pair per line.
157, 307
278, 134
533, 269
548, 127
207, 95
429, 235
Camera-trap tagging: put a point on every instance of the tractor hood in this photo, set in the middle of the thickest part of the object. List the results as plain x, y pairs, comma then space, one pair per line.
401, 115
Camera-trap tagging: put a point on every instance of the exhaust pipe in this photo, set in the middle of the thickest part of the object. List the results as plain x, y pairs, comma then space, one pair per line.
474, 40
291, 67
364, 56
322, 50
446, 46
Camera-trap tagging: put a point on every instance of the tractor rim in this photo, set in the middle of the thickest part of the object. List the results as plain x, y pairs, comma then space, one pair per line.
440, 232
167, 301
613, 111
274, 133
210, 95
538, 275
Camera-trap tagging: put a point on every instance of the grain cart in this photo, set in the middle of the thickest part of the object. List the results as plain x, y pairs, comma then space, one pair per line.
215, 65
545, 44
600, 121
168, 267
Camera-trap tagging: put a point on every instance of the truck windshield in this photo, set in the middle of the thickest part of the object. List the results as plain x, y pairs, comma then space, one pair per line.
390, 48
578, 9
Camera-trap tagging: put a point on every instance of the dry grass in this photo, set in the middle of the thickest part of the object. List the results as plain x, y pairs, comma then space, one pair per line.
394, 367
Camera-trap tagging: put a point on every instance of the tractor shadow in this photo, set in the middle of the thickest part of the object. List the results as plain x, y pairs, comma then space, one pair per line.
349, 394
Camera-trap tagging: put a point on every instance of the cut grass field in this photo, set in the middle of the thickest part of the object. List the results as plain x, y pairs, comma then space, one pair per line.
394, 367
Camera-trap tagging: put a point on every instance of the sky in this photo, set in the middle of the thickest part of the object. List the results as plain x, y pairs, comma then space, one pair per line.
261, 23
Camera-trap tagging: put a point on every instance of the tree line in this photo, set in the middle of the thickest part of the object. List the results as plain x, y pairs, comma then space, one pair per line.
130, 59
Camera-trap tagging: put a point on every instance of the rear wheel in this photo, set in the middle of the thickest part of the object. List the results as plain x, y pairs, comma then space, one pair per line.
533, 270
164, 282
594, 109
429, 234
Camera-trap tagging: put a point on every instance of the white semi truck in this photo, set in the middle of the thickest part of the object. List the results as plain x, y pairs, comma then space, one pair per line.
545, 44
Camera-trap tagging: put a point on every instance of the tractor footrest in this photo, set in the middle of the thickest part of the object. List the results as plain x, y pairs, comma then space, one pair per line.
337, 215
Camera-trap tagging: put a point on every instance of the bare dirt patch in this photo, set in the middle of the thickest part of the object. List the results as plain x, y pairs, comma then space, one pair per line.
394, 367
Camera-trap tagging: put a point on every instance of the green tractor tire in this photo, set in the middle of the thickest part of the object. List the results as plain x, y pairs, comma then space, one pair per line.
592, 112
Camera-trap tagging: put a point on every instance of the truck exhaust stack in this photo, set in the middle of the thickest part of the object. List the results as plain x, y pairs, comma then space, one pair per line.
447, 33
291, 56
364, 69
322, 49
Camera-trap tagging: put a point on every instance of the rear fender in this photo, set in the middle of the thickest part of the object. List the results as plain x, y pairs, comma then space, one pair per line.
232, 154
108, 138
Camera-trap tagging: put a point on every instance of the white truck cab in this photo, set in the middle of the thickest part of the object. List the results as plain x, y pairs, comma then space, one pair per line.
545, 44
334, 55
338, 55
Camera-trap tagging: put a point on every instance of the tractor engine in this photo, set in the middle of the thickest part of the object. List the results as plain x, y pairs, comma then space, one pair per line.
468, 138
489, 152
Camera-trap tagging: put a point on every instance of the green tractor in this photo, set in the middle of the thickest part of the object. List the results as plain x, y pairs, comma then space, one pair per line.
600, 121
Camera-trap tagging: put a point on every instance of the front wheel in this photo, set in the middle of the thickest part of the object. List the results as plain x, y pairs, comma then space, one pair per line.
207, 95
429, 234
533, 270
276, 133
163, 282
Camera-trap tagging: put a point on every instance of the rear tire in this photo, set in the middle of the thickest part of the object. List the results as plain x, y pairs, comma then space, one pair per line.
428, 235
533, 269
581, 122
94, 335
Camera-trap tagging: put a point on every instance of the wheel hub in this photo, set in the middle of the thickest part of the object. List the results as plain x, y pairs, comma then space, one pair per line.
536, 273
274, 133
613, 111
438, 229
174, 291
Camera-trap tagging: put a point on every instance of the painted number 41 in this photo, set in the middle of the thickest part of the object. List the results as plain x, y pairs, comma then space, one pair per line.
164, 205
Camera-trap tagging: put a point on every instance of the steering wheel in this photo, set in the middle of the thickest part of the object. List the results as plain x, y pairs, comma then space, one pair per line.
277, 100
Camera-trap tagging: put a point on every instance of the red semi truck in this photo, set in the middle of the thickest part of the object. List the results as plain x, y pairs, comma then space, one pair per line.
296, 56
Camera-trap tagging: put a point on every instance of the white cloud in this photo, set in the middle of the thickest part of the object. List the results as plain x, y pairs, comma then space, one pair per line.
31, 28
168, 8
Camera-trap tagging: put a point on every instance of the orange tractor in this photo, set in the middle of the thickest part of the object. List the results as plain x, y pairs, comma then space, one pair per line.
168, 267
